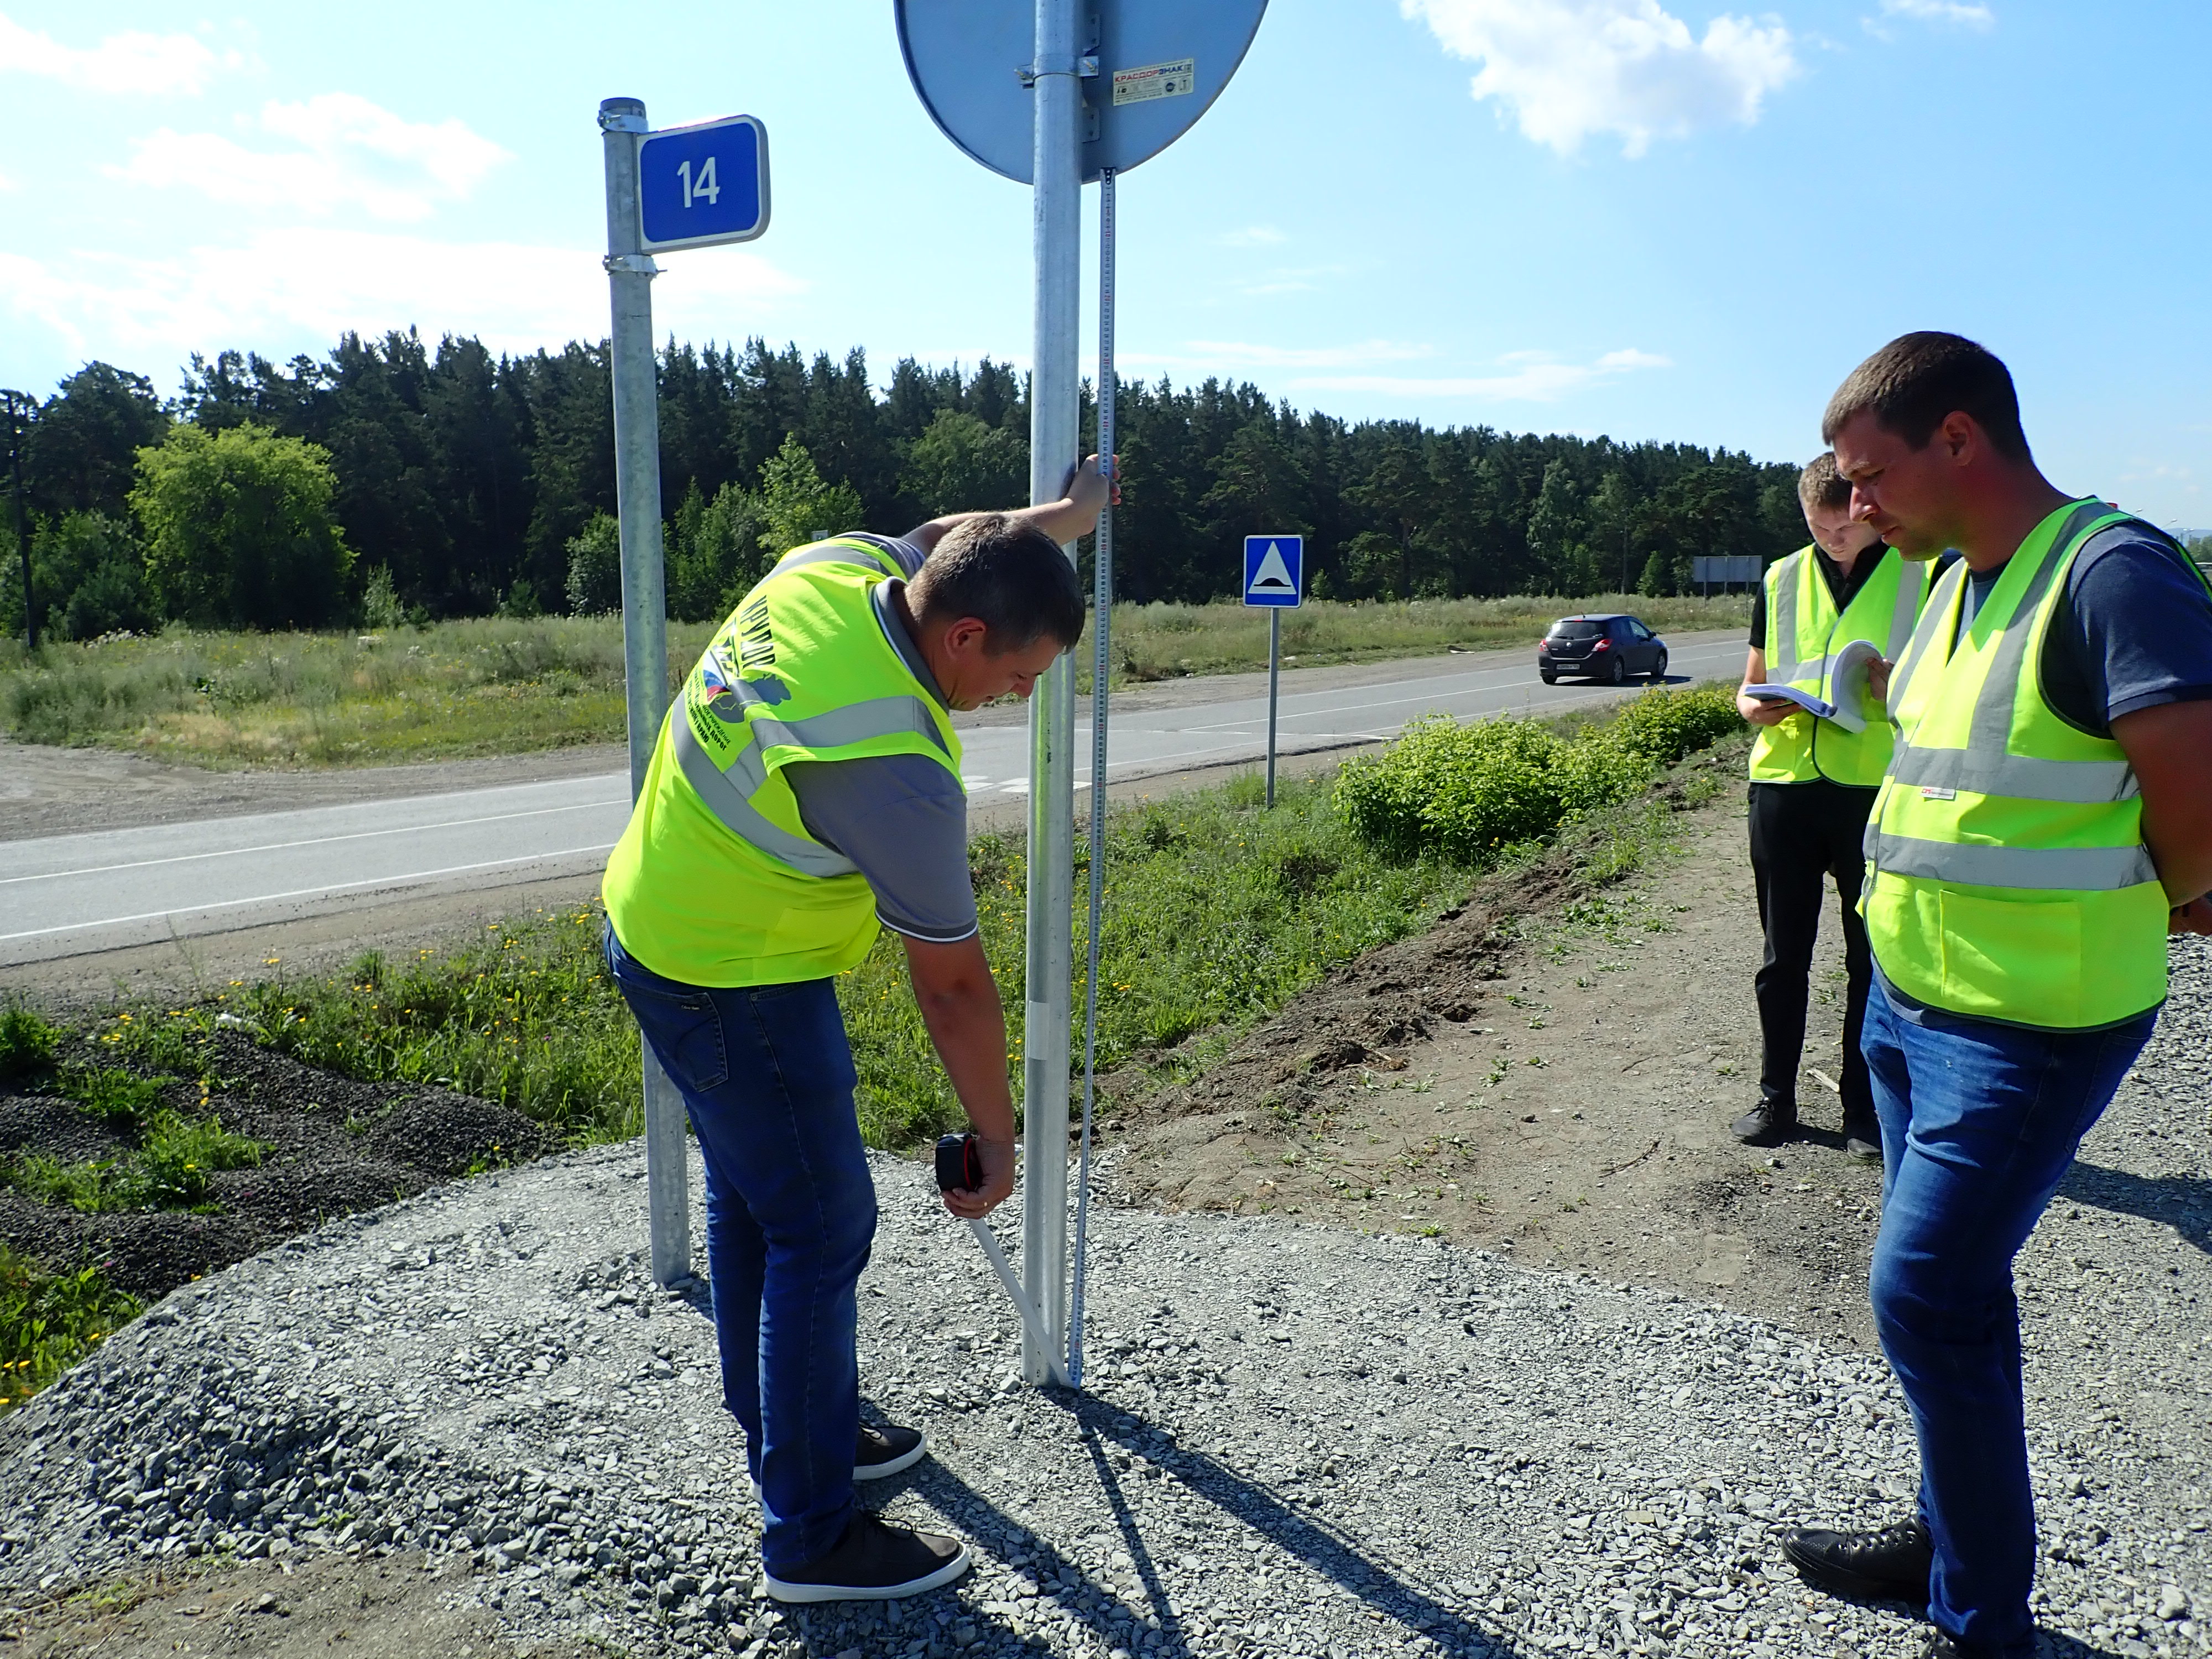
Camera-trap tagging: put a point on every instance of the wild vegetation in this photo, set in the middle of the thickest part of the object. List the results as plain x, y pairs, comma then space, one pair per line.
1218, 911
499, 685
392, 481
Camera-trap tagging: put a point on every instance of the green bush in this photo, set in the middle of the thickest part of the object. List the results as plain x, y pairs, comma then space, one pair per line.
27, 1043
1467, 793
1663, 726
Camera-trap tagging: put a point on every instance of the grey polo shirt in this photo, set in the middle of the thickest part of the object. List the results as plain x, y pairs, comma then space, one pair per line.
901, 818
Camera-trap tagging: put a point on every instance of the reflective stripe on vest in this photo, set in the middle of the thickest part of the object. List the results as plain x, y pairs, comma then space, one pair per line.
1802, 617
2008, 877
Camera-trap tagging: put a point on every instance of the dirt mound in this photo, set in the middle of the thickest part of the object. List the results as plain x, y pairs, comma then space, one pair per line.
335, 1146
1551, 1071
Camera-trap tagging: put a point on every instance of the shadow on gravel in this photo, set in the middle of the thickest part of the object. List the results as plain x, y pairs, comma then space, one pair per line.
2181, 1202
1323, 1548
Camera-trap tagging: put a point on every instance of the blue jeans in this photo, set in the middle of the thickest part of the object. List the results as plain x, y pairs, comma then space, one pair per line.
767, 1077
1979, 1122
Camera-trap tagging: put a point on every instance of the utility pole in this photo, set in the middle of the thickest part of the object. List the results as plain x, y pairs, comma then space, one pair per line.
18, 403
21, 405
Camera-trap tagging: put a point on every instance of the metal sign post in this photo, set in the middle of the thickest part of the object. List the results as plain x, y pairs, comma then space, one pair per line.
1274, 577
1102, 628
664, 191
1054, 413
1052, 93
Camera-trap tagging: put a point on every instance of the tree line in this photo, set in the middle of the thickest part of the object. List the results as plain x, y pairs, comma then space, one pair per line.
391, 481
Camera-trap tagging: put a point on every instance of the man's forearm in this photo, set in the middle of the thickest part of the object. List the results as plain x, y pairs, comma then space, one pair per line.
2167, 746
970, 1035
959, 1003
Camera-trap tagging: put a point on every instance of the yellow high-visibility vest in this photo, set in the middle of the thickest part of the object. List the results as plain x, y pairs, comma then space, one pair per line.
2006, 873
1804, 635
716, 881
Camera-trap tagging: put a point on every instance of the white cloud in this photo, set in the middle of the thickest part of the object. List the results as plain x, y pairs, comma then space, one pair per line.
1962, 13
131, 63
1533, 377
1216, 353
308, 285
1567, 69
1251, 236
350, 153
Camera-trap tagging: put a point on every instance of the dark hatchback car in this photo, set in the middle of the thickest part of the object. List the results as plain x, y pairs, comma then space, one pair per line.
1610, 648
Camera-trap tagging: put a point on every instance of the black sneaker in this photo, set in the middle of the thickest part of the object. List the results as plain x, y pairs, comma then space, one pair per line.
1892, 1562
1862, 1140
876, 1560
1767, 1124
887, 1451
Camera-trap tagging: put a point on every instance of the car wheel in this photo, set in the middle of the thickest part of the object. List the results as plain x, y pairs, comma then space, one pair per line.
1618, 673
1659, 670
1549, 678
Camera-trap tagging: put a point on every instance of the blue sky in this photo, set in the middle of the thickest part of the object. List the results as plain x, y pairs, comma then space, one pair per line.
1650, 218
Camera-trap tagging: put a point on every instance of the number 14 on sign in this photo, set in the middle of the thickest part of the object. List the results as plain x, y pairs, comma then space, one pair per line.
702, 188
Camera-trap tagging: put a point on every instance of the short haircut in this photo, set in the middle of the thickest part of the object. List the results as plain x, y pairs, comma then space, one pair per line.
1008, 575
1913, 384
1820, 488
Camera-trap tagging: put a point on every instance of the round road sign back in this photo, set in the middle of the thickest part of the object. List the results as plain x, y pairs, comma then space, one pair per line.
1161, 64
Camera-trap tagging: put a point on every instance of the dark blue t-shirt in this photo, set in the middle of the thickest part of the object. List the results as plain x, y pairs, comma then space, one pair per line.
2133, 630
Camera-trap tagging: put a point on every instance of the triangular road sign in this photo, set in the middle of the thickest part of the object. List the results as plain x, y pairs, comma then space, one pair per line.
1272, 576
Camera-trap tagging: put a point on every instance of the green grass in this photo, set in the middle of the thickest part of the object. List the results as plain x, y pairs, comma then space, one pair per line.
49, 1321
1218, 911
169, 1170
492, 685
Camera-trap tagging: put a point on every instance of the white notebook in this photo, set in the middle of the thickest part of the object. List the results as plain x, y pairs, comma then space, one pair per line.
1847, 679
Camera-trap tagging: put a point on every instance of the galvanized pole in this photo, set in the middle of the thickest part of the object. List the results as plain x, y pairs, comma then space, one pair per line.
16, 402
1057, 236
630, 272
1274, 674
1102, 658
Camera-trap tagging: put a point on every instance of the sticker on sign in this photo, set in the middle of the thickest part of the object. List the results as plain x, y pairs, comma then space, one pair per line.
1138, 86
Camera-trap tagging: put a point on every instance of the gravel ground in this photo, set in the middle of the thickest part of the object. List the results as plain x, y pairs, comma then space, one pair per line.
1297, 1440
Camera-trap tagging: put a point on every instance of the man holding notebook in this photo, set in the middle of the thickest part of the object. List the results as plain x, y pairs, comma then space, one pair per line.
1813, 781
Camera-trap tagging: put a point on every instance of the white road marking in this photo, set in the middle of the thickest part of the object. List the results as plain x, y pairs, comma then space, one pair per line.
407, 880
312, 841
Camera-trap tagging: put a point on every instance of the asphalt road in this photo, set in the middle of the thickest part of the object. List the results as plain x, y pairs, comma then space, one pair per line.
63, 895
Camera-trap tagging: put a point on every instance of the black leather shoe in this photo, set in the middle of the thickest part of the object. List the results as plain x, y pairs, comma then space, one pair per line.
1941, 1646
1767, 1124
1874, 1566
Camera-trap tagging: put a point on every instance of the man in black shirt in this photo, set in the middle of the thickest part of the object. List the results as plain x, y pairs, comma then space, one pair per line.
1813, 781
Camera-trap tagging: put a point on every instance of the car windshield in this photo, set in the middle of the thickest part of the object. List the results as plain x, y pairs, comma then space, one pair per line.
1576, 630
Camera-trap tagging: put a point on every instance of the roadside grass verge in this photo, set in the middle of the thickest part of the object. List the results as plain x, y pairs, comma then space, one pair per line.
1161, 642
1218, 912
493, 685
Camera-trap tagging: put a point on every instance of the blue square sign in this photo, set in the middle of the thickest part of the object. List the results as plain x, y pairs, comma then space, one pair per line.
1274, 569
703, 184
